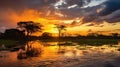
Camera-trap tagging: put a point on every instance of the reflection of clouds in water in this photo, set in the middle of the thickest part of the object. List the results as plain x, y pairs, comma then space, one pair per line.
83, 55
54, 50
73, 53
104, 49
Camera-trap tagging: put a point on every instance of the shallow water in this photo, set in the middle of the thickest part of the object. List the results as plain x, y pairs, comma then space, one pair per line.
61, 54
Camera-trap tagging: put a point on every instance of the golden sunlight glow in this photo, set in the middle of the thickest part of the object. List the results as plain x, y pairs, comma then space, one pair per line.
48, 22
50, 28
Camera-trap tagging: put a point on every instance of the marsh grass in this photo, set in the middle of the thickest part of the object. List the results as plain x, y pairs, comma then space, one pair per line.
97, 42
7, 43
67, 42
92, 42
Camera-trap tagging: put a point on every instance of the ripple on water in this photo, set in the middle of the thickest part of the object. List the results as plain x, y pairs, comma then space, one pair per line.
67, 56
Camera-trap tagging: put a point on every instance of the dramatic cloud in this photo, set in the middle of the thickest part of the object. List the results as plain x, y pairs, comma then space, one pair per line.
109, 11
59, 11
111, 18
21, 4
111, 6
63, 4
63, 9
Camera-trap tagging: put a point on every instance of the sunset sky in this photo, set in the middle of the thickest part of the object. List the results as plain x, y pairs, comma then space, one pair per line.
80, 16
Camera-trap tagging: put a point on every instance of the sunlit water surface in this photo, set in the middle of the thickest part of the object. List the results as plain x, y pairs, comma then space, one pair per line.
62, 54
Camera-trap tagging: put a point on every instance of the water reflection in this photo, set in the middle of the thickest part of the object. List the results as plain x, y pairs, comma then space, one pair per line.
31, 49
61, 49
47, 50
39, 53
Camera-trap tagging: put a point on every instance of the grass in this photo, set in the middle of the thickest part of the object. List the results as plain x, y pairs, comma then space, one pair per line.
7, 43
97, 42
94, 42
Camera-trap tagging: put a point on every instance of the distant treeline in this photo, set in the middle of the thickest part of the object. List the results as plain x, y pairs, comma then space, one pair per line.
16, 34
25, 29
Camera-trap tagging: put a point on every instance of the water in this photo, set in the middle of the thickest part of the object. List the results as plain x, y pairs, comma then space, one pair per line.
61, 54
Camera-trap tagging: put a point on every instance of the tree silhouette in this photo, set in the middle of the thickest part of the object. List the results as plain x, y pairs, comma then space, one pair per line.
29, 27
46, 35
60, 28
1, 35
14, 34
115, 35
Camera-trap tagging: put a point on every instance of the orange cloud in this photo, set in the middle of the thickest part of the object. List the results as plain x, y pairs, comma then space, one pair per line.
76, 27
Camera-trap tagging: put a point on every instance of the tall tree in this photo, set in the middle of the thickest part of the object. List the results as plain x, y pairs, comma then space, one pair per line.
60, 28
30, 27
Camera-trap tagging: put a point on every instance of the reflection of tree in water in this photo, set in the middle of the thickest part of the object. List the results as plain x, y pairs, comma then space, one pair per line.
60, 49
31, 49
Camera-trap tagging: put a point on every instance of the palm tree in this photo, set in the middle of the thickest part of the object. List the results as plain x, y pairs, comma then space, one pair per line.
60, 28
29, 27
